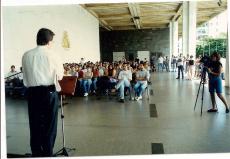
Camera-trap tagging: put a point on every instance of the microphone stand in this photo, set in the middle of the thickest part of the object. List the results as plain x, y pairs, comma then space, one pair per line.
64, 151
65, 83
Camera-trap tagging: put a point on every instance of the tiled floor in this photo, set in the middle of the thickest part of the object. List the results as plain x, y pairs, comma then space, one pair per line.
106, 127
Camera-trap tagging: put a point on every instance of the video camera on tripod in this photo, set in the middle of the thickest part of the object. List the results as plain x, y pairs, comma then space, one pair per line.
205, 63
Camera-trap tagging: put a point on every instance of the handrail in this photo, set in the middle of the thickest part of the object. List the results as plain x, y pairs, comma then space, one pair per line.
12, 75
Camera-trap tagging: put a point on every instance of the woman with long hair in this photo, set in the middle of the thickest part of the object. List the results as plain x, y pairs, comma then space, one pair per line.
215, 82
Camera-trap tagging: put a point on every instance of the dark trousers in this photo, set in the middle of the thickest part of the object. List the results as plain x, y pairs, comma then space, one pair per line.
43, 114
181, 69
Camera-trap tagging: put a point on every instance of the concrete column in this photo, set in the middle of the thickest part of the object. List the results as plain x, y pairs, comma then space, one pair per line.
227, 65
189, 28
173, 40
170, 38
170, 43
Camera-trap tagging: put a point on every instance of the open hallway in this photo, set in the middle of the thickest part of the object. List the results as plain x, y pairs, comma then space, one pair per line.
164, 124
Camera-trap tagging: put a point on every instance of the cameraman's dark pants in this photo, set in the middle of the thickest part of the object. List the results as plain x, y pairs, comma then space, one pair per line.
181, 69
43, 111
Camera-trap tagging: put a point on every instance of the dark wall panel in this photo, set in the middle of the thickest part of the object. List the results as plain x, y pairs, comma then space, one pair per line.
155, 41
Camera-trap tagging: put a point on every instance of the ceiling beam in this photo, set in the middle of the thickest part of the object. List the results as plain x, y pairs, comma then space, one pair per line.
120, 24
103, 23
142, 15
160, 13
178, 12
114, 15
155, 23
156, 18
157, 3
106, 6
125, 28
211, 9
134, 10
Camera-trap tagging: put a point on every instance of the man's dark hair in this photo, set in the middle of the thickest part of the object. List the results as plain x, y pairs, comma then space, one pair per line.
44, 36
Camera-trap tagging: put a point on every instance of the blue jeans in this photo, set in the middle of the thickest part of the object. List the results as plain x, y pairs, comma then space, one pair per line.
139, 87
215, 84
222, 76
121, 86
86, 85
181, 69
95, 83
160, 65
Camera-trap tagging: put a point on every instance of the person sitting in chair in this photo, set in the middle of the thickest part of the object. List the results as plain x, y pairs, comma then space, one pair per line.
87, 81
112, 77
141, 77
11, 80
124, 77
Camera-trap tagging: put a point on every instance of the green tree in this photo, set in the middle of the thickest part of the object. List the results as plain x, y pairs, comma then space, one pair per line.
208, 45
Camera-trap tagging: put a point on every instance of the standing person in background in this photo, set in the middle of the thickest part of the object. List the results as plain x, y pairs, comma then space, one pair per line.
223, 61
197, 67
166, 63
137, 60
180, 67
186, 63
82, 61
42, 84
160, 63
191, 68
174, 60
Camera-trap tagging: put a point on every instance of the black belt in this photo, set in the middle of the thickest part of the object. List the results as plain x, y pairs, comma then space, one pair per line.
49, 87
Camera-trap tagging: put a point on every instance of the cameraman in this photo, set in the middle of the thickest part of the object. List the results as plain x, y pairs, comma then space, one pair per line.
215, 81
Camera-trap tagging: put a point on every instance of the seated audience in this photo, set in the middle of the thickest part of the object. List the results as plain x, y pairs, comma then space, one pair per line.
112, 77
87, 81
124, 77
12, 74
95, 71
141, 77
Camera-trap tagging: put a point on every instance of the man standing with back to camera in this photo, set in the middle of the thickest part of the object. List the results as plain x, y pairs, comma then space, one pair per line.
41, 73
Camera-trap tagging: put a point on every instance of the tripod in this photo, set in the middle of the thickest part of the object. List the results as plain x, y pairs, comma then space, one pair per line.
68, 85
202, 81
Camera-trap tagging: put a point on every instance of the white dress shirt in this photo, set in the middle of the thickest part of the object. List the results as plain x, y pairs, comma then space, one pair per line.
160, 60
41, 68
125, 75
